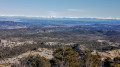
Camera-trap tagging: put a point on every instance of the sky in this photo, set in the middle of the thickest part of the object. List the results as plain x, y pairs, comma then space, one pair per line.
61, 8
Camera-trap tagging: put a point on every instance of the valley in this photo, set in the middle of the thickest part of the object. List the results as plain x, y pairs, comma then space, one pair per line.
43, 37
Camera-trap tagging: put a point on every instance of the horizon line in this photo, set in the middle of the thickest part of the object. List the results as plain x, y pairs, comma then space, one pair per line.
59, 17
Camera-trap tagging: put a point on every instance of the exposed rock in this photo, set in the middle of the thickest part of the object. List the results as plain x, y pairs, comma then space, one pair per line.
48, 54
111, 54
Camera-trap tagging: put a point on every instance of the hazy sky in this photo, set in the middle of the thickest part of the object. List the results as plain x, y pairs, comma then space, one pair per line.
61, 8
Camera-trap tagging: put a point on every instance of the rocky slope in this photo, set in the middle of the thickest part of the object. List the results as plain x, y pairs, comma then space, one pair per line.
111, 54
41, 51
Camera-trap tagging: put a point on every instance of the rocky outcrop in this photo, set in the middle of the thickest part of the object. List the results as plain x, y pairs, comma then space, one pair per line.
48, 54
111, 54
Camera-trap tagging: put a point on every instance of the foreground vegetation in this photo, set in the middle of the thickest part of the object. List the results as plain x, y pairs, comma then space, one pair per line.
67, 57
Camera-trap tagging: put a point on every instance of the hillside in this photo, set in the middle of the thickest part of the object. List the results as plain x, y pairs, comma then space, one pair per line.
12, 25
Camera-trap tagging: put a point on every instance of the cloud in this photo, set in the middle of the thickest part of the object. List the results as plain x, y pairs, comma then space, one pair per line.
76, 10
108, 18
53, 13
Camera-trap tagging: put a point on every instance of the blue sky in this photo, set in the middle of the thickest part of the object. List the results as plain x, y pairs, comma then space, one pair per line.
61, 8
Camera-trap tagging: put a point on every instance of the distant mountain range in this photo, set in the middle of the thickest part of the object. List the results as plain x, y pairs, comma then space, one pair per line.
24, 18
17, 22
